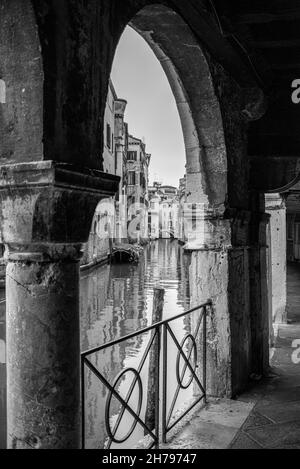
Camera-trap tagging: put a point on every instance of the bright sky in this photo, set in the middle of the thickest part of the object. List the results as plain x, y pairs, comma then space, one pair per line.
151, 110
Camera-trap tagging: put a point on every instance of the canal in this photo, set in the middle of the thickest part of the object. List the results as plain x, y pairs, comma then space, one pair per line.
116, 300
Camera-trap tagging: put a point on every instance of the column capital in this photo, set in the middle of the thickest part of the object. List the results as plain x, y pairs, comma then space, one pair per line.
205, 227
50, 203
275, 201
215, 228
43, 252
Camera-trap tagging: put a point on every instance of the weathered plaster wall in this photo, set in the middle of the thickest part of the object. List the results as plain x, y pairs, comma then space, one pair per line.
21, 69
209, 271
222, 272
101, 235
232, 103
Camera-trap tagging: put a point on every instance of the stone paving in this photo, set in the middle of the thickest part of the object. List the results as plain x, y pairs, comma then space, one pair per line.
275, 420
212, 427
268, 415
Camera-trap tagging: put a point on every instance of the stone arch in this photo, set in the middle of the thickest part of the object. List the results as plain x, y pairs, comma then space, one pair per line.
188, 73
65, 50
210, 104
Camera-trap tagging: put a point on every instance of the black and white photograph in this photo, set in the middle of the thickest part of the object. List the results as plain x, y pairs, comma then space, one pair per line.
149, 227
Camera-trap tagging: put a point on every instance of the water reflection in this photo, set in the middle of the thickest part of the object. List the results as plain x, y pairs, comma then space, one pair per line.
2, 373
115, 301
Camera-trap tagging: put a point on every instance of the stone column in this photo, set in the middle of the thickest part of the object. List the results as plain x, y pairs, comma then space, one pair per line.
43, 347
276, 208
46, 213
219, 271
260, 293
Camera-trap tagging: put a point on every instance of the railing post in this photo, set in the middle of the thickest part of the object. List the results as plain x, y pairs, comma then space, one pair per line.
164, 391
204, 352
160, 332
152, 412
157, 387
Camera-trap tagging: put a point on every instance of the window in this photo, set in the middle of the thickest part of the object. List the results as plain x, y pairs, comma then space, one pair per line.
132, 155
131, 178
142, 180
194, 217
108, 136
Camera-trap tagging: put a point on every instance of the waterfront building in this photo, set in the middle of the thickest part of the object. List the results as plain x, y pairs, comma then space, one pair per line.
169, 218
121, 149
163, 212
155, 197
123, 217
182, 199
153, 216
137, 167
168, 192
104, 226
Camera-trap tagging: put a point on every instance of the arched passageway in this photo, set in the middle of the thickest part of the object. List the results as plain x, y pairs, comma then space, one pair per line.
225, 255
52, 181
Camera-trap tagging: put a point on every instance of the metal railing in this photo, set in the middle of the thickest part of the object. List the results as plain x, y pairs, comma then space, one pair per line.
160, 332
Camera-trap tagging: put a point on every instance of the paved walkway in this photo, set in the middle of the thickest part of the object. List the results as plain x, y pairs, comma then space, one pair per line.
268, 415
275, 419
213, 427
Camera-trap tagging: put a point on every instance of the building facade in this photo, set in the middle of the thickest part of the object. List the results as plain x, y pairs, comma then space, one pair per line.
137, 168
102, 230
181, 208
163, 212
153, 216
124, 217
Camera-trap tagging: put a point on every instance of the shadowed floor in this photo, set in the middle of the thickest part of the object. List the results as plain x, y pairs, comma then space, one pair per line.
268, 415
275, 419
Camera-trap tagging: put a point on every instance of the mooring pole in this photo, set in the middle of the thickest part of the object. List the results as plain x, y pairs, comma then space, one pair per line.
152, 408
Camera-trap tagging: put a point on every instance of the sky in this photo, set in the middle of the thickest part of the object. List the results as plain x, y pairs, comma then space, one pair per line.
151, 110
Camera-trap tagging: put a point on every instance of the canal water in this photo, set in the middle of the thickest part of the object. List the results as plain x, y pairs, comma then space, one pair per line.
2, 371
116, 300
